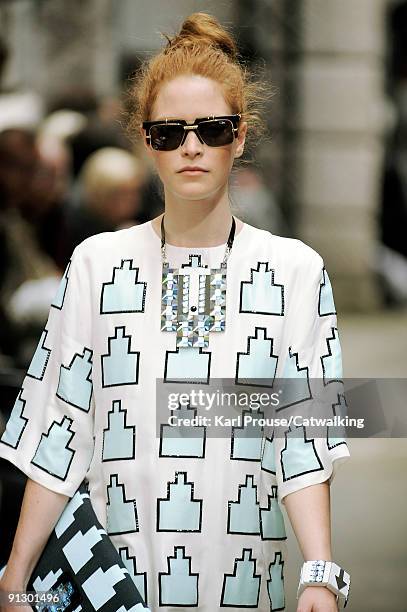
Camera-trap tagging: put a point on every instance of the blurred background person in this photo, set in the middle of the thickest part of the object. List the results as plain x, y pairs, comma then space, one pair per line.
28, 276
110, 182
46, 209
101, 130
391, 257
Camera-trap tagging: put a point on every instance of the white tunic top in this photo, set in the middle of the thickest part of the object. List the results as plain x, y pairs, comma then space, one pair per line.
197, 521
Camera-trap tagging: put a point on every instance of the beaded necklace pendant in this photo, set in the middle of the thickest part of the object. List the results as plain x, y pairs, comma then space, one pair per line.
193, 301
193, 297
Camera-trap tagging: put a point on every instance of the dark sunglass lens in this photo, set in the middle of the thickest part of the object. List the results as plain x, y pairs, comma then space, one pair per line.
166, 137
216, 133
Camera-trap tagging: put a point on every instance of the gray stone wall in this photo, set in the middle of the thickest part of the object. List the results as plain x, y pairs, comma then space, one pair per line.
340, 126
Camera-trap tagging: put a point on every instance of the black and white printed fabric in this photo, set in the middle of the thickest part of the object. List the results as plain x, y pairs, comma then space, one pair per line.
81, 567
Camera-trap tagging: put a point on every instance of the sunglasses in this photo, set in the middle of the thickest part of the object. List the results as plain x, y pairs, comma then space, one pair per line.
170, 134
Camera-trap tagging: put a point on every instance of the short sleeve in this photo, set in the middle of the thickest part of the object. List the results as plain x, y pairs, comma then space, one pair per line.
314, 360
49, 435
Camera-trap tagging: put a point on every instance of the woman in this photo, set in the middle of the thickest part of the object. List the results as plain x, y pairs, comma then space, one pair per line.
198, 514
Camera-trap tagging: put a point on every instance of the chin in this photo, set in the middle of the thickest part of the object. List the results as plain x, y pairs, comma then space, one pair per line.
197, 192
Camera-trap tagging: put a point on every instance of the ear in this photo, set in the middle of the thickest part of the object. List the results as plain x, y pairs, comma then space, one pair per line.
241, 138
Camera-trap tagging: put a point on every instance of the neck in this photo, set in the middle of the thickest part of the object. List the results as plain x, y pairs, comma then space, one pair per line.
196, 223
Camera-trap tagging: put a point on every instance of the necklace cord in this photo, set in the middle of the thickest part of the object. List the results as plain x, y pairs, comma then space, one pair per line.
229, 243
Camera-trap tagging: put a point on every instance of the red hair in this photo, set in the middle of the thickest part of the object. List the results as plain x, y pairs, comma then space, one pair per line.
202, 47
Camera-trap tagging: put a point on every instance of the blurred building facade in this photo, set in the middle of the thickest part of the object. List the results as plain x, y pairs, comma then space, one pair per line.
328, 121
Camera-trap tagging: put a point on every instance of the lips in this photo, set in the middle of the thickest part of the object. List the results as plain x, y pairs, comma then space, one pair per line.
192, 169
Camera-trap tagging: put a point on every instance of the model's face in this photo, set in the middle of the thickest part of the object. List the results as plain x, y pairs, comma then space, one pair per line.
188, 97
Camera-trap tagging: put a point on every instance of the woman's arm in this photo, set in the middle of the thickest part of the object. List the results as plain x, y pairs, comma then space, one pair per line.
52, 407
309, 512
40, 511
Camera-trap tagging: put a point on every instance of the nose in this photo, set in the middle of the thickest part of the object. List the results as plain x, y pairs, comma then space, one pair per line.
192, 145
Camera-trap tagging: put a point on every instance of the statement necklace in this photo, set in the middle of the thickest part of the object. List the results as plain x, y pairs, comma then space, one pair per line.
194, 296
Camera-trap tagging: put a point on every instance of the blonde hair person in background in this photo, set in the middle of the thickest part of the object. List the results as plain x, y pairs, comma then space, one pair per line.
111, 180
198, 517
109, 192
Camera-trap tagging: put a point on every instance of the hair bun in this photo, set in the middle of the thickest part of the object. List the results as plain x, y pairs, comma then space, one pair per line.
204, 28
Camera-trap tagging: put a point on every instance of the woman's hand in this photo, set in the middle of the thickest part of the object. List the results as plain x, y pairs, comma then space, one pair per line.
317, 599
6, 587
